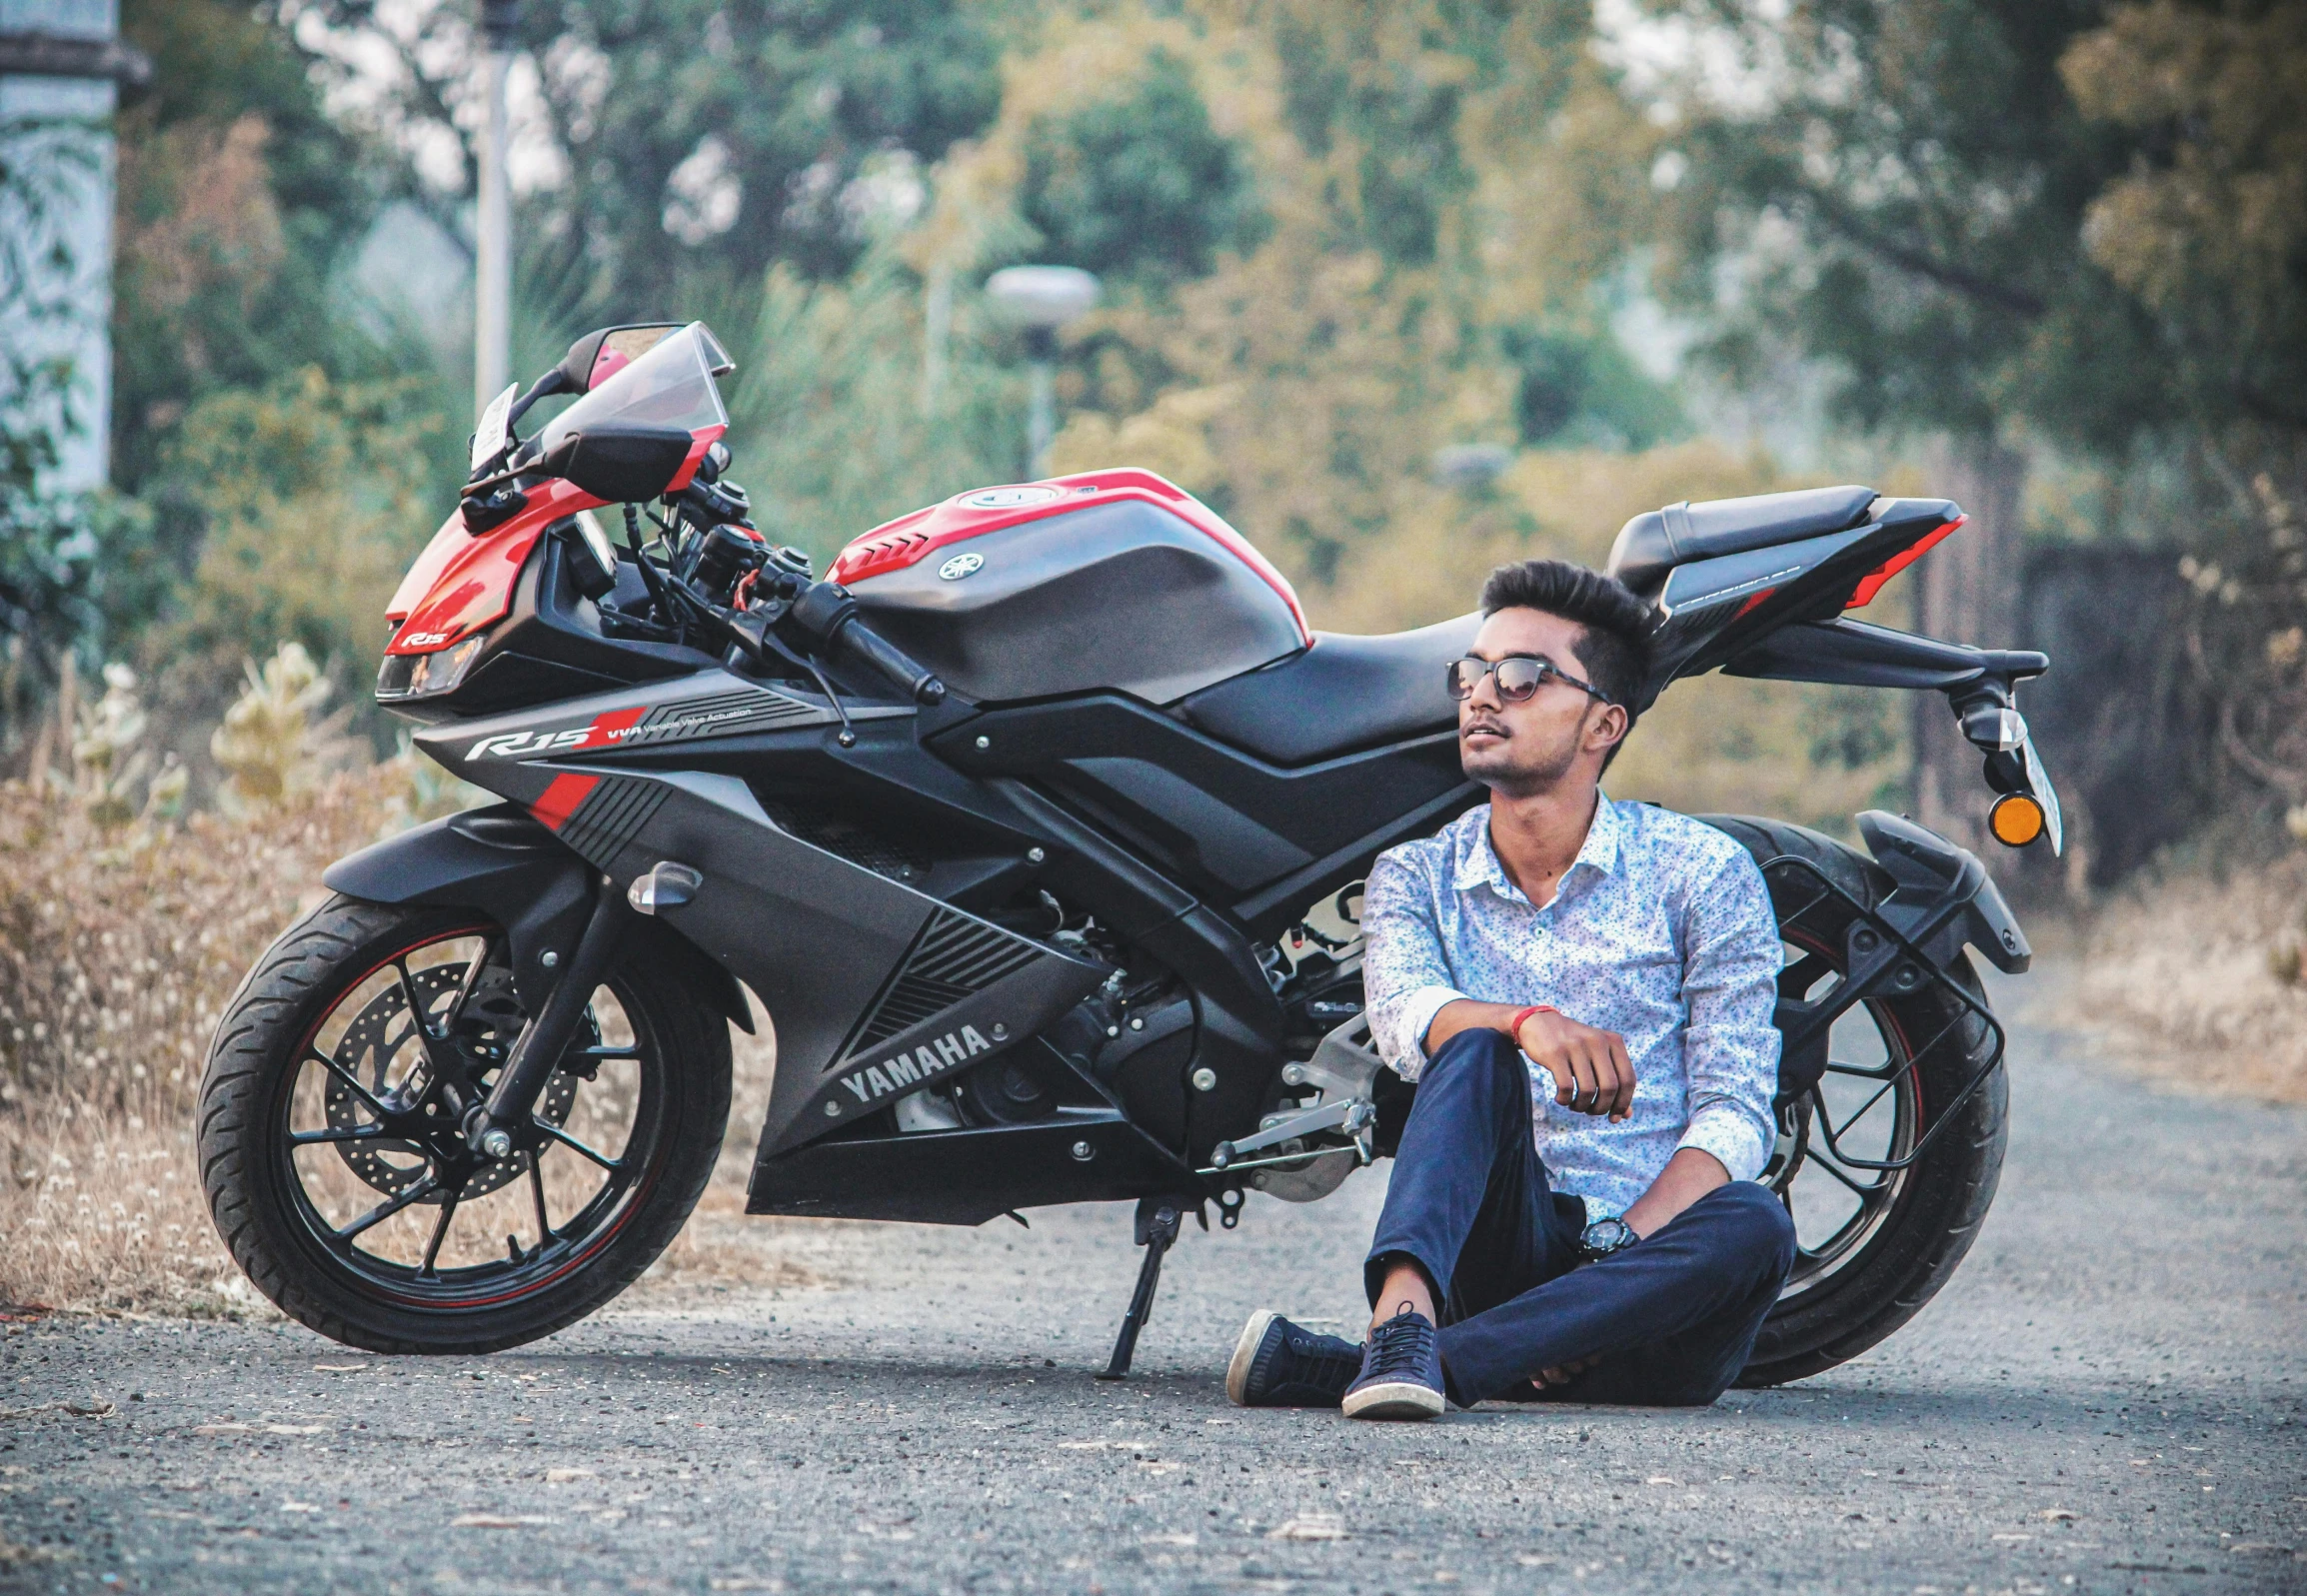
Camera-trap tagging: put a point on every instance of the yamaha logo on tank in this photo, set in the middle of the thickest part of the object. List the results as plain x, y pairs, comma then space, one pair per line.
961, 566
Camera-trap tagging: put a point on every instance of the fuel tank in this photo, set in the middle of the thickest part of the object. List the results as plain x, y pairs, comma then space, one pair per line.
1115, 580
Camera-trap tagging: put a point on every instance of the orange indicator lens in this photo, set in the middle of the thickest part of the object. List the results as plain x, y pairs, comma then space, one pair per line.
2016, 820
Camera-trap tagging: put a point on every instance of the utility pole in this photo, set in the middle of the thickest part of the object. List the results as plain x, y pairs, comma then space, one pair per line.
1038, 300
493, 225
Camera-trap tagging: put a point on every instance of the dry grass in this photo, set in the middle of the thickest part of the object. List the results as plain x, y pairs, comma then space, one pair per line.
119, 948
2196, 979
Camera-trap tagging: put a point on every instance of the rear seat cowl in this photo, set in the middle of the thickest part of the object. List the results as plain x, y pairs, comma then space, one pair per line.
1655, 541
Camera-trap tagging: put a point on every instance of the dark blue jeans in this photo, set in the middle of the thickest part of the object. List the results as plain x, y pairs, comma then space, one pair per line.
1673, 1317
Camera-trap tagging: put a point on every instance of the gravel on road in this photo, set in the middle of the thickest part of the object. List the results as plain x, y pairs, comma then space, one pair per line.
2108, 1397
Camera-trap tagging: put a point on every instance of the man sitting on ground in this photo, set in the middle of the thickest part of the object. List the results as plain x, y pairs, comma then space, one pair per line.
1607, 971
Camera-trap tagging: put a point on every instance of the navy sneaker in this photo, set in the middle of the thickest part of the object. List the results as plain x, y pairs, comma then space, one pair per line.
1402, 1376
1279, 1364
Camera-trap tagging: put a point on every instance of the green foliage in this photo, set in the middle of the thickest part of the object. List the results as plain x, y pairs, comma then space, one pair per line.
2208, 225
306, 501
1138, 184
702, 140
829, 429
1584, 389
1909, 203
240, 199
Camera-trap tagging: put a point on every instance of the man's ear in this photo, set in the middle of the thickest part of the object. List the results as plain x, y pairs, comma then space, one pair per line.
1608, 729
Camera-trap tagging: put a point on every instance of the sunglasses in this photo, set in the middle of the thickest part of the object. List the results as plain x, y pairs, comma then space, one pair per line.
1520, 676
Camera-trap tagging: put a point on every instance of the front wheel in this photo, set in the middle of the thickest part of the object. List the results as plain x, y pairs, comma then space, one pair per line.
333, 1159
1873, 1245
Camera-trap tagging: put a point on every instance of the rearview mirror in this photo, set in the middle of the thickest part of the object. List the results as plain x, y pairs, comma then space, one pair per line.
599, 356
619, 462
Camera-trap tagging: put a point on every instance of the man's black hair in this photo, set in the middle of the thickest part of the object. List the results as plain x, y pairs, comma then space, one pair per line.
1614, 627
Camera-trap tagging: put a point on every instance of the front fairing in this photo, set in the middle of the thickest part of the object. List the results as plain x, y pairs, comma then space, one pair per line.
463, 584
471, 580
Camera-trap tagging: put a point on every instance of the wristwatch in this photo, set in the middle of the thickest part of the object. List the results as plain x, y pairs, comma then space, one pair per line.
1605, 1236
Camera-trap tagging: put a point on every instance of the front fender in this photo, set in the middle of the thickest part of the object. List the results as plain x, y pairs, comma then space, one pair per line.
504, 865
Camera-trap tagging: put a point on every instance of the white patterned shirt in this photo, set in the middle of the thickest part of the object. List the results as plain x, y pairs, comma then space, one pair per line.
1660, 930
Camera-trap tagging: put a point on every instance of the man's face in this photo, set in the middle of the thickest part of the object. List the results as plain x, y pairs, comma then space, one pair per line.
1517, 749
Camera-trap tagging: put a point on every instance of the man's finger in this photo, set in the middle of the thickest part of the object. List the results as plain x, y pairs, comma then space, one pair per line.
1606, 1076
1563, 1067
1582, 1077
1625, 1100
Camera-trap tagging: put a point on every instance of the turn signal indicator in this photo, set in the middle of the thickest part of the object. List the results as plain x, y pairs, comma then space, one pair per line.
2016, 820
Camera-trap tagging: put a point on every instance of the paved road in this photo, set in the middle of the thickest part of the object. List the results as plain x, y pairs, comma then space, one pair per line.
2110, 1397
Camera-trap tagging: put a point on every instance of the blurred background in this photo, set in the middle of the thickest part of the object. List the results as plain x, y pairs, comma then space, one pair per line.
1402, 289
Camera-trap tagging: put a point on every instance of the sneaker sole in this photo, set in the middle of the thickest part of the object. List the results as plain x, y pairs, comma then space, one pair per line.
1395, 1400
1244, 1354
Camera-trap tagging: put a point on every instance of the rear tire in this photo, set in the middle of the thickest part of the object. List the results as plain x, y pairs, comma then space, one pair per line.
271, 1183
1835, 1309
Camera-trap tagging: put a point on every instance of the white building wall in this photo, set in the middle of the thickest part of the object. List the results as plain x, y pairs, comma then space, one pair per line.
72, 313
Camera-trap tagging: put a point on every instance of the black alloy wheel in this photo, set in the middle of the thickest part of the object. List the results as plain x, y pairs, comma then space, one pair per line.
1873, 1245
333, 1150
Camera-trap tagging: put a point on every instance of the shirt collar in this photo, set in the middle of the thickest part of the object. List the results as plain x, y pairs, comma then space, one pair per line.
1478, 864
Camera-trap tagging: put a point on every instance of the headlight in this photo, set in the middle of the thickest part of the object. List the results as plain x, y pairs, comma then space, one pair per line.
425, 675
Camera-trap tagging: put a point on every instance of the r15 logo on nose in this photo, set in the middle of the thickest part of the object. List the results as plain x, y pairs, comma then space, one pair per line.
961, 566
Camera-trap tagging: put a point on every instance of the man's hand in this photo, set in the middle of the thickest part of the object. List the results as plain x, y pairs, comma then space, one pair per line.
1593, 1075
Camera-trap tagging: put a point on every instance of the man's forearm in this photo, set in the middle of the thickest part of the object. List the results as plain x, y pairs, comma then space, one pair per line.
1591, 1072
1688, 1175
1465, 1014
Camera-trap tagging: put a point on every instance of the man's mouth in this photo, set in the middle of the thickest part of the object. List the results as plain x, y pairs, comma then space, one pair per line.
1481, 728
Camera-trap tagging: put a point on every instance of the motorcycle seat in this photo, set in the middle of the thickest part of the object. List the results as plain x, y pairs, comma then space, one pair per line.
1655, 541
1340, 695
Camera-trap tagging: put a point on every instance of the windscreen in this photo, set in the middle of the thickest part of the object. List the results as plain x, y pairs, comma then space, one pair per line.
671, 386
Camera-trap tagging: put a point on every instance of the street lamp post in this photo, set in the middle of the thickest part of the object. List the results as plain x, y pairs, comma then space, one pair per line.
492, 226
1038, 300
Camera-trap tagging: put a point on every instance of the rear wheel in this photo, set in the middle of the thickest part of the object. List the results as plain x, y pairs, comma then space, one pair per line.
334, 1162
1873, 1245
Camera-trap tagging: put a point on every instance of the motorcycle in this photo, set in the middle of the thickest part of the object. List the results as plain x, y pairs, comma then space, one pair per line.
1036, 826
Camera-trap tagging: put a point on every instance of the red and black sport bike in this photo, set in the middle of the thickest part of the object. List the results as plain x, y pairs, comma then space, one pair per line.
1036, 827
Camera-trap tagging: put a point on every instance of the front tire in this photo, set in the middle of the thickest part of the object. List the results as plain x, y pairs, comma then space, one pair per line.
1860, 1275
333, 1169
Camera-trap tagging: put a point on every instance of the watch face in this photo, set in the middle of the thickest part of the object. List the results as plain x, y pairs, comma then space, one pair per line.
1607, 1235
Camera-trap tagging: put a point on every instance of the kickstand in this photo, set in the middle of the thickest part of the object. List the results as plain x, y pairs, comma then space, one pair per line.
1157, 1221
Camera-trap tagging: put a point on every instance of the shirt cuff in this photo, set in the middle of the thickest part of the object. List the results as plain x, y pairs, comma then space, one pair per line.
1731, 1137
1416, 1017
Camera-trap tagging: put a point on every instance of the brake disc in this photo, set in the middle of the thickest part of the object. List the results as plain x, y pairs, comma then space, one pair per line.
492, 1018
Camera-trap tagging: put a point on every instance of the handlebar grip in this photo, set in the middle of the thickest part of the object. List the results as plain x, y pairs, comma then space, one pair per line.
905, 673
825, 613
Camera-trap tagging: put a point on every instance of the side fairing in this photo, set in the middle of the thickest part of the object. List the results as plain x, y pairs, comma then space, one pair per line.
873, 986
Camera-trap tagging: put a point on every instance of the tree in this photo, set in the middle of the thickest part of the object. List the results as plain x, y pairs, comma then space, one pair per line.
2208, 230
1138, 183
1437, 180
240, 200
1899, 188
695, 142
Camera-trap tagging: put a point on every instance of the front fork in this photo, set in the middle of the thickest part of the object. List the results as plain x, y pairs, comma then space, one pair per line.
492, 1127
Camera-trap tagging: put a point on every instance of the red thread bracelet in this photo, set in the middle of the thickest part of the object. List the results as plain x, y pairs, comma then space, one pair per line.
1521, 1017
